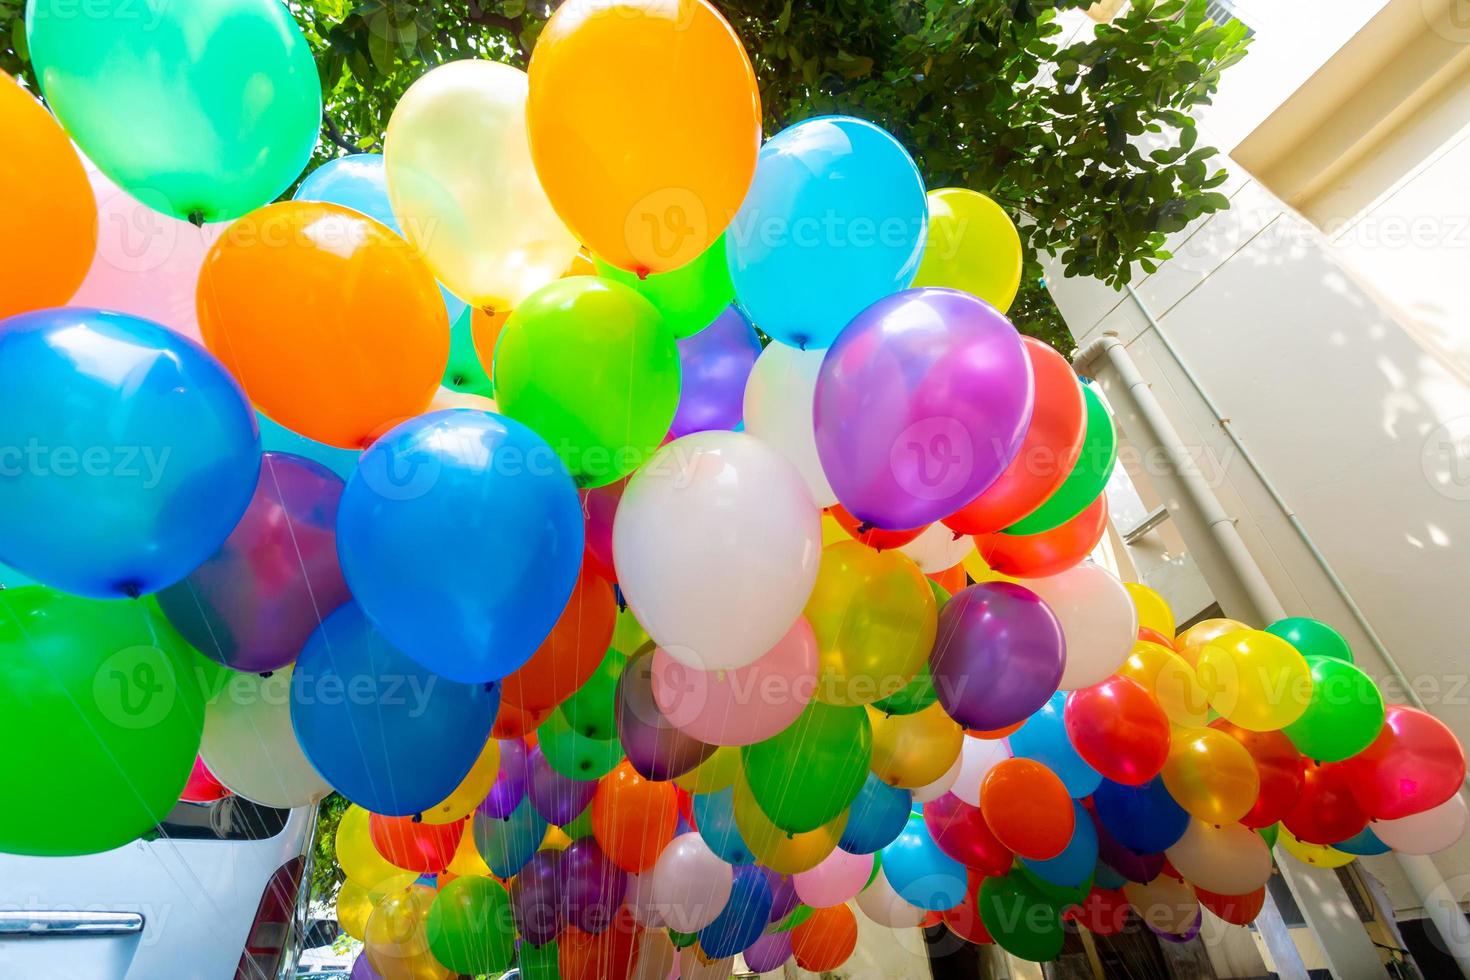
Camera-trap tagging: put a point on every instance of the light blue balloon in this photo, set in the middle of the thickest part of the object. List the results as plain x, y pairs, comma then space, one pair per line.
505, 845
835, 220
1078, 859
460, 534
714, 815
876, 817
1043, 737
276, 438
922, 874
127, 452
1103, 874
383, 731
1365, 843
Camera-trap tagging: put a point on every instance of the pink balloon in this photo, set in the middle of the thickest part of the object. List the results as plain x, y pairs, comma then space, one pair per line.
146, 263
745, 705
839, 877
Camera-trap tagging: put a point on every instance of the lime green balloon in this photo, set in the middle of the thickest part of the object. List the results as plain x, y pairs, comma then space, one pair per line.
591, 710
689, 297
1020, 919
470, 928
1312, 638
801, 913
100, 718
594, 369
682, 939
1088, 476
1269, 834
809, 773
1344, 716
203, 109
581, 826
464, 372
573, 754
539, 962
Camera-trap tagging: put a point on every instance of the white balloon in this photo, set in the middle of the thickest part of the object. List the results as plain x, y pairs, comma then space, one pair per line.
778, 408
977, 757
938, 549
883, 905
1098, 619
693, 965
940, 786
656, 956
1226, 859
691, 885
1424, 833
717, 545
639, 898
250, 746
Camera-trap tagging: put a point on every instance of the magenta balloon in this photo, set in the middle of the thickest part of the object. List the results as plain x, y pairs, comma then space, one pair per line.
510, 783
768, 952
783, 894
558, 799
998, 655
921, 402
654, 747
715, 362
742, 706
535, 898
599, 507
591, 886
254, 602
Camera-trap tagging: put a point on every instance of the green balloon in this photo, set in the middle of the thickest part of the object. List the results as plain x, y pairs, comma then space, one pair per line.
591, 710
573, 754
812, 771
464, 372
1312, 638
581, 825
100, 714
1020, 918
916, 695
800, 914
1344, 716
592, 367
689, 297
682, 939
1061, 896
1088, 477
539, 962
207, 110
1270, 833
470, 928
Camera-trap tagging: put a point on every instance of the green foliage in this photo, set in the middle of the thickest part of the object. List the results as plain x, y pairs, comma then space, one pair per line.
326, 877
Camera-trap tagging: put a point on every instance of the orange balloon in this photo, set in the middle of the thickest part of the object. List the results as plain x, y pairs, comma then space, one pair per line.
1238, 910
645, 120
951, 580
995, 734
1050, 552
570, 652
1193, 640
485, 325
49, 222
331, 323
513, 721
633, 818
825, 940
877, 538
1027, 808
608, 955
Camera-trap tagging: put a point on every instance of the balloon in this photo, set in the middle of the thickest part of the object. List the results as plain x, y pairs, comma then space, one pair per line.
131, 453
353, 907
691, 885
607, 954
1225, 858
744, 917
599, 508
714, 814
574, 648
507, 843
655, 748
692, 298
742, 706
1255, 679
694, 965
1326, 810
951, 579
209, 154
396, 940
778, 410
977, 758
1211, 775
715, 363
876, 817
1238, 910
1366, 843
910, 751
461, 536
633, 819
768, 953
726, 511
102, 692
1193, 640
1172, 682
808, 774
1344, 715
202, 786
922, 873
1154, 636
998, 655
838, 878
1312, 638
1120, 861
880, 539
1088, 476
826, 940
407, 843
592, 886
1049, 552
540, 962
783, 851
1165, 904
1143, 818
1414, 764
1019, 917
959, 830
253, 604
920, 404
400, 739
1074, 866
938, 549
880, 903
1043, 737
1027, 808
1098, 620
1118, 729
573, 754
464, 374
469, 926
834, 221
535, 897
1317, 855
340, 284
1104, 912
513, 721
249, 745
1153, 612
713, 774
556, 797
914, 697
1279, 766
359, 858
1426, 832
973, 245
592, 708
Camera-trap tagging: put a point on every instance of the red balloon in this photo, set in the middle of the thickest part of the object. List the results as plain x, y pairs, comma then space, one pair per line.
608, 955
1154, 636
1414, 764
685, 801
964, 919
1047, 454
513, 721
1104, 912
1325, 811
1050, 552
825, 940
1027, 807
425, 847
570, 652
1238, 910
599, 507
202, 787
1280, 766
960, 831
1118, 729
877, 538
932, 919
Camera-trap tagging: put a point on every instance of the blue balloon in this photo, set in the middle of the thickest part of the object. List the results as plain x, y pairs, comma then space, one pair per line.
714, 814
276, 438
922, 874
127, 452
507, 844
1103, 874
460, 534
1043, 737
876, 817
1145, 819
1365, 843
386, 733
744, 916
1078, 859
835, 219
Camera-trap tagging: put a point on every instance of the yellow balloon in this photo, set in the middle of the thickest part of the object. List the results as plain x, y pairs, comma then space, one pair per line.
556, 839
1170, 679
396, 941
1192, 640
471, 790
1318, 855
978, 571
467, 860
1166, 903
1153, 611
628, 634
354, 905
875, 618
713, 774
360, 860
1211, 775
1255, 679
832, 531
782, 852
464, 191
972, 245
914, 750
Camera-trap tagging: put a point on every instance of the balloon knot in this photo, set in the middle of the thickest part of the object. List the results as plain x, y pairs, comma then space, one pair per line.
642, 271
458, 382
196, 218
418, 818
864, 527
131, 590
801, 345
488, 310
957, 535
489, 686
267, 673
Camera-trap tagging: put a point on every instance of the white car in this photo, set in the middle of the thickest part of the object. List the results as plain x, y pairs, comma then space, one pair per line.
218, 893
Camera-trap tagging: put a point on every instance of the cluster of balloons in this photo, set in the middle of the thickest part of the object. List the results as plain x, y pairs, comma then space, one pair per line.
662, 538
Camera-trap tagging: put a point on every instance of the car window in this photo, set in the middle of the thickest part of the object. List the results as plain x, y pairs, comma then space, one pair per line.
229, 819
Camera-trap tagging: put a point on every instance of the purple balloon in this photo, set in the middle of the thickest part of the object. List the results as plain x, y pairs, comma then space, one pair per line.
1141, 868
558, 799
783, 895
768, 952
592, 886
998, 655
536, 898
1190, 933
716, 362
921, 402
657, 749
510, 784
254, 602
362, 969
